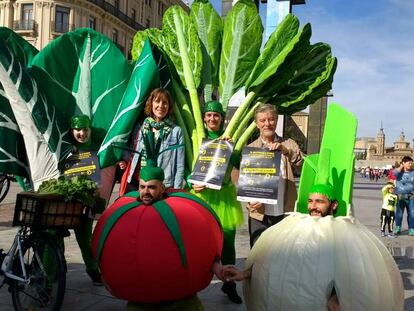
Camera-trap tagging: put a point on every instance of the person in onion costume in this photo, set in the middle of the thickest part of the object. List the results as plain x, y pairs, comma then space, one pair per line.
305, 260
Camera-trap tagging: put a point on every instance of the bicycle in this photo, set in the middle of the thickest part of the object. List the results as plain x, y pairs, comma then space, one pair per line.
4, 185
35, 266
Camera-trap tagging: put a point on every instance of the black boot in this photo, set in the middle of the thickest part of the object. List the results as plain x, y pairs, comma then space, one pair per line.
229, 288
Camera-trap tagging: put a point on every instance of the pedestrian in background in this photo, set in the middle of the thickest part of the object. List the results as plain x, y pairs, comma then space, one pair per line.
404, 189
389, 203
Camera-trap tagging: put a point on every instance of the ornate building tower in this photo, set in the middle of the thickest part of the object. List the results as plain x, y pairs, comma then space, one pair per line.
381, 142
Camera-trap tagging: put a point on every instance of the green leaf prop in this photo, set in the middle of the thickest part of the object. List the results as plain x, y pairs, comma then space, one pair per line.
13, 158
242, 38
210, 31
23, 93
182, 45
84, 73
144, 78
312, 80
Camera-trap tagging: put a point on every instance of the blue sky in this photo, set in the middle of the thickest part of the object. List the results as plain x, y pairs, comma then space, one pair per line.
374, 43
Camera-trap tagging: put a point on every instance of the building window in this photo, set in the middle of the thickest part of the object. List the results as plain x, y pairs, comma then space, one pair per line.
115, 35
116, 4
62, 19
147, 24
133, 14
92, 22
27, 16
148, 2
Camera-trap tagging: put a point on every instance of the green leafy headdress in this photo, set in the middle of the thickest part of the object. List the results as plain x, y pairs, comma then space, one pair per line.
214, 106
151, 172
80, 122
321, 185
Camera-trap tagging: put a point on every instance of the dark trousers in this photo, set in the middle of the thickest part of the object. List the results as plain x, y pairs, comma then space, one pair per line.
256, 227
387, 219
228, 254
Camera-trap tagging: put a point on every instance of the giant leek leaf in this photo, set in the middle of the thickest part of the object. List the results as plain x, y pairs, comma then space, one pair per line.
242, 38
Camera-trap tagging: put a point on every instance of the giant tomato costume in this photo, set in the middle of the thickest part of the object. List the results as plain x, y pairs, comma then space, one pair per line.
159, 252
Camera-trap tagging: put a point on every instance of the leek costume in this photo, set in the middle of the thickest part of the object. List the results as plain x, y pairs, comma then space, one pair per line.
260, 220
83, 233
389, 203
404, 189
167, 143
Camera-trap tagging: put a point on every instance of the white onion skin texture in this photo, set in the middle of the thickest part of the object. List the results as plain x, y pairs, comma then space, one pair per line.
296, 263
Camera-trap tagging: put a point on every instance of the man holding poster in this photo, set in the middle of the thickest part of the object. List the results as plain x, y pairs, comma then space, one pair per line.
222, 201
262, 215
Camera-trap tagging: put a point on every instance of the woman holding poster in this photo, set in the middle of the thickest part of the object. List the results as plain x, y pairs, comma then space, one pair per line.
223, 201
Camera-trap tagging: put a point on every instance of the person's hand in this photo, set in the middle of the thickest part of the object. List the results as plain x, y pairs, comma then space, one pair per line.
255, 206
280, 147
122, 165
333, 304
227, 138
198, 187
231, 273
218, 270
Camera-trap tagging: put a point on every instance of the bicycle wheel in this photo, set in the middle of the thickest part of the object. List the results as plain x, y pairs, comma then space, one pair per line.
4, 186
46, 269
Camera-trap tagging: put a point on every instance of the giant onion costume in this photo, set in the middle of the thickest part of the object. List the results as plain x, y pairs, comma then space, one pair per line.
298, 263
153, 253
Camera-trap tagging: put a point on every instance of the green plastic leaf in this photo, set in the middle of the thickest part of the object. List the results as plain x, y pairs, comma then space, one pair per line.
176, 20
81, 72
144, 78
209, 26
242, 38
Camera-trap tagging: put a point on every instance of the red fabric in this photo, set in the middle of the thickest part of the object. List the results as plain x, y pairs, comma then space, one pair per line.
140, 260
124, 180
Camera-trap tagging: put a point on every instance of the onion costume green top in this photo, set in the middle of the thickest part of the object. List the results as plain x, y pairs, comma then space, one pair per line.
223, 201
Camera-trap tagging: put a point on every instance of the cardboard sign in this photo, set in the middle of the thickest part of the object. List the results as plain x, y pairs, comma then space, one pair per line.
259, 175
83, 163
212, 162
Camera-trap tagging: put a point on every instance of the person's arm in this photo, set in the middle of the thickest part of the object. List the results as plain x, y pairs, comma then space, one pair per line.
231, 273
180, 158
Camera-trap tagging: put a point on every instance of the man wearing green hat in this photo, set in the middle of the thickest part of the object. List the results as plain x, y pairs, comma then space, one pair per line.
151, 186
321, 200
222, 201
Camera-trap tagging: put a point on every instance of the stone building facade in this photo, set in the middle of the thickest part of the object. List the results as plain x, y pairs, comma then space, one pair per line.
39, 22
374, 149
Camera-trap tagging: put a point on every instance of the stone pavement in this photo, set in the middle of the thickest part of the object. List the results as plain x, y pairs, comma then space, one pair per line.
81, 295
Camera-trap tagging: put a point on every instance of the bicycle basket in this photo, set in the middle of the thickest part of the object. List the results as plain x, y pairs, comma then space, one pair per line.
46, 211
